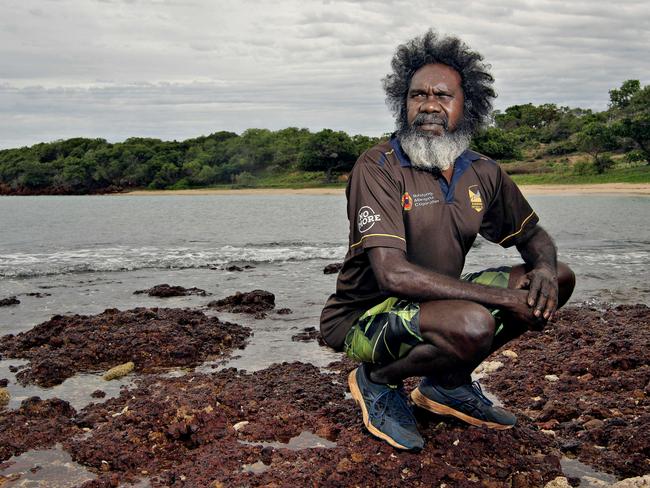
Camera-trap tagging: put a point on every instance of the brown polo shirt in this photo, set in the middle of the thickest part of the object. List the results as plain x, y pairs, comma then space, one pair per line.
392, 204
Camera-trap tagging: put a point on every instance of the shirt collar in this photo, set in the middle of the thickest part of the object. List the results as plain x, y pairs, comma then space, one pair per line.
462, 162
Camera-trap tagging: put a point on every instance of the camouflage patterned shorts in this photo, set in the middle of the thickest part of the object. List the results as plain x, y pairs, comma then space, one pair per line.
390, 329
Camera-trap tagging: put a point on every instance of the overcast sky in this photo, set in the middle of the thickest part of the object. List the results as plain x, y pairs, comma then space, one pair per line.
175, 69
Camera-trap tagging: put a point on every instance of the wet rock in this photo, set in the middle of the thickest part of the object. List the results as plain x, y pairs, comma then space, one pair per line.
487, 367
254, 302
5, 302
149, 337
266, 455
599, 399
636, 482
4, 382
4, 397
332, 268
593, 424
307, 334
37, 294
119, 371
234, 267
98, 394
182, 432
559, 482
36, 424
165, 291
284, 311
509, 354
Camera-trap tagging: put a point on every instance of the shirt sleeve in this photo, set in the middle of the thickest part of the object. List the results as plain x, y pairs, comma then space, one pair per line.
374, 207
509, 218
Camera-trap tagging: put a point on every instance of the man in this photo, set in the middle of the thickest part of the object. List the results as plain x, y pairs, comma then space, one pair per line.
415, 204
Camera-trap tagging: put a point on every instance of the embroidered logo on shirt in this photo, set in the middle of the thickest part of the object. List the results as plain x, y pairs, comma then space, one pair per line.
407, 202
475, 198
367, 218
422, 199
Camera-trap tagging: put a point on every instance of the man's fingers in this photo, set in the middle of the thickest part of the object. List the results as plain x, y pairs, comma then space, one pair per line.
551, 304
522, 282
542, 300
535, 284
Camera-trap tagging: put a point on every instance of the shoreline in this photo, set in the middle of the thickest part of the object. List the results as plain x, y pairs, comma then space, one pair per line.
639, 189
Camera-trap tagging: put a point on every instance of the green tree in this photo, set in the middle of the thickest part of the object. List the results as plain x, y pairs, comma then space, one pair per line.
328, 151
527, 115
632, 115
497, 143
621, 97
596, 138
34, 175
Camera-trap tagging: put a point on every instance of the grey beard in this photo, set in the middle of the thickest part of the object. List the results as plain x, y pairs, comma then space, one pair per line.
434, 152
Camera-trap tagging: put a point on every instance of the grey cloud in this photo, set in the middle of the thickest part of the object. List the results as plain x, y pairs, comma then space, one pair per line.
189, 67
328, 17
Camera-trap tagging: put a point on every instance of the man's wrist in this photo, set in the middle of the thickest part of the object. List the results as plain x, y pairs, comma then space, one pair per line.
544, 266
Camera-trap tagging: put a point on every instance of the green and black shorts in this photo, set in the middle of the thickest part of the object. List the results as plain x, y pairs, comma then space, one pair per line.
390, 329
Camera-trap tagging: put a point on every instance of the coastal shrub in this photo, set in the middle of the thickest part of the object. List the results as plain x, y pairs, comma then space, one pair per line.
245, 180
636, 156
527, 168
603, 163
583, 167
181, 184
560, 148
497, 144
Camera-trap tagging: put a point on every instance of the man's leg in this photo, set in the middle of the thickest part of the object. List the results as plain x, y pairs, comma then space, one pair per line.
384, 333
458, 336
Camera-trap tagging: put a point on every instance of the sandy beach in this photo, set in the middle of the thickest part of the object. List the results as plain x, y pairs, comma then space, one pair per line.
603, 188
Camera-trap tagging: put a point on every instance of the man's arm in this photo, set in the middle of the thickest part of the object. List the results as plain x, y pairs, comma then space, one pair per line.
398, 277
540, 254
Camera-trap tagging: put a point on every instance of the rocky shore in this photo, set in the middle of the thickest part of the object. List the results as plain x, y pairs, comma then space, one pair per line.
580, 388
151, 338
585, 380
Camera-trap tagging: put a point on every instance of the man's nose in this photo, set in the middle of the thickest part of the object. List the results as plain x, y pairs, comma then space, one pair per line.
431, 105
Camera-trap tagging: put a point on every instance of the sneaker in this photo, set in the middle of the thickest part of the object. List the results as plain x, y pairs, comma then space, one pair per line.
386, 412
466, 402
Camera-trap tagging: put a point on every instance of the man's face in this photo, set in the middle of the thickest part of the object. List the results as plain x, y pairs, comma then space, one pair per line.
435, 100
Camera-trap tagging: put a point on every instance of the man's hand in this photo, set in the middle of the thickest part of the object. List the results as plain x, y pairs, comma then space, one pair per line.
520, 312
542, 286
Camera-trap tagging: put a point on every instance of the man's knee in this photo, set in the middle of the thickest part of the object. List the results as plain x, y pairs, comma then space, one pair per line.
466, 333
566, 280
477, 331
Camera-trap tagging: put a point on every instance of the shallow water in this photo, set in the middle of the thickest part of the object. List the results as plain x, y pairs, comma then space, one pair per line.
575, 469
65, 241
304, 440
51, 468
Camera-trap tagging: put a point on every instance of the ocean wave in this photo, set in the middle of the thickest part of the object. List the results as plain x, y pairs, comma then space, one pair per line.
23, 265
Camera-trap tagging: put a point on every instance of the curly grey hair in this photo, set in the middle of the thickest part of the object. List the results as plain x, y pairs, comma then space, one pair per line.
476, 80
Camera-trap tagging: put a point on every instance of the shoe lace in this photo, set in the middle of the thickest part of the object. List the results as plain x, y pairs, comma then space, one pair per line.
394, 401
476, 386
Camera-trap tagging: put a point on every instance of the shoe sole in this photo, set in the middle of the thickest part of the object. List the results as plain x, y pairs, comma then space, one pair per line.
358, 398
438, 408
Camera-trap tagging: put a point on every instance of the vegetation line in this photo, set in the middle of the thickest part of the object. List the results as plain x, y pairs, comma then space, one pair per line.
543, 144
